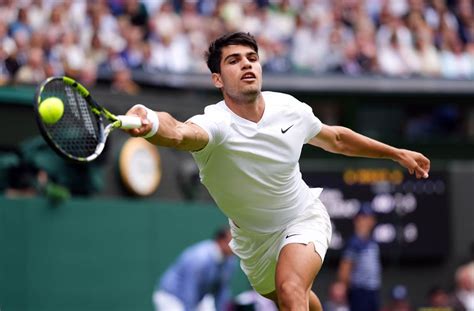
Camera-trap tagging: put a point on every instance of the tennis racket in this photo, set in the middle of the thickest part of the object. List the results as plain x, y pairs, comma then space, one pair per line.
81, 132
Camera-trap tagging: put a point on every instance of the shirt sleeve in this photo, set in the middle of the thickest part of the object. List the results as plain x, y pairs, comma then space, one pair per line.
206, 124
313, 124
212, 121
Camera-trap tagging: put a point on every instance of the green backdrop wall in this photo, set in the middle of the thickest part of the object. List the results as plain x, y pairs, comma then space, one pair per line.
94, 254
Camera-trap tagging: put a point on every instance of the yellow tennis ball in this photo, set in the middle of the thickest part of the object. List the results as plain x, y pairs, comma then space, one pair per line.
51, 110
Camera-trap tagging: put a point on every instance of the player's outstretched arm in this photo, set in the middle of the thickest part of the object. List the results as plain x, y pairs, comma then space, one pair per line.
338, 139
169, 131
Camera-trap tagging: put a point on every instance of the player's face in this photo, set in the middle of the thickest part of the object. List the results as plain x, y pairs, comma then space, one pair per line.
241, 72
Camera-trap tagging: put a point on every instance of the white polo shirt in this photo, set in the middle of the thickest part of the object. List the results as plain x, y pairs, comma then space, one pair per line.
251, 169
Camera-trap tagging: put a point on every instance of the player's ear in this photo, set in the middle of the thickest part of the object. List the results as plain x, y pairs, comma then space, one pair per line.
217, 80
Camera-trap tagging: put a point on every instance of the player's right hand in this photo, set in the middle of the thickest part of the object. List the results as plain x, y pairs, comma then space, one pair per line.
141, 112
416, 163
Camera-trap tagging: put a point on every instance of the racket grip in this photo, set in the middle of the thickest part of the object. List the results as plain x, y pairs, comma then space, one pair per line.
129, 122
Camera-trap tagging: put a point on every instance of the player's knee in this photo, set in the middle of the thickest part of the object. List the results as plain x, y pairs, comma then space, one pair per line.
291, 290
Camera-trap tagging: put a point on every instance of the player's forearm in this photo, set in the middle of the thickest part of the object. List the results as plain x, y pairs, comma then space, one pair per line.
160, 128
353, 144
168, 134
175, 134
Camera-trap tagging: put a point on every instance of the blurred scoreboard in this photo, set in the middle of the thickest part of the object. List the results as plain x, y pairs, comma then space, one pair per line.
412, 215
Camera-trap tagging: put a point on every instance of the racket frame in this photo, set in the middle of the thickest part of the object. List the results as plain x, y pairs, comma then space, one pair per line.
98, 110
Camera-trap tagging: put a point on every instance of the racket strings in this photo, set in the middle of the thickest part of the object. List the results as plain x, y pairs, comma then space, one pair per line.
78, 132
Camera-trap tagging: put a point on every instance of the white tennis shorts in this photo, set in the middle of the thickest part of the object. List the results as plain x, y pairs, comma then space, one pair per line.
258, 252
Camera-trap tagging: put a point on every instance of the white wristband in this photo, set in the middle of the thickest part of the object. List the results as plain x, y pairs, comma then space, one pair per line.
153, 118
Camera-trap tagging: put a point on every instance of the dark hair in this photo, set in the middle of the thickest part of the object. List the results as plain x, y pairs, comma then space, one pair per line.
214, 53
221, 233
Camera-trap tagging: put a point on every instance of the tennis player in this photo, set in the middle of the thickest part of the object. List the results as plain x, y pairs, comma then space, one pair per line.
247, 149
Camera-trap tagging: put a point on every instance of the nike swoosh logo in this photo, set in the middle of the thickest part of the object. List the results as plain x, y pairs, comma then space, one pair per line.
284, 131
290, 235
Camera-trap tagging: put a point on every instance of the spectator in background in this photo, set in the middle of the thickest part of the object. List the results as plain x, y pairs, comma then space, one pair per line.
64, 176
367, 49
122, 81
438, 298
470, 262
465, 16
88, 74
96, 51
7, 44
40, 171
310, 45
277, 58
396, 59
133, 52
102, 22
20, 56
202, 269
455, 62
21, 24
164, 21
252, 20
170, 54
462, 298
137, 14
427, 57
33, 71
70, 54
351, 65
7, 51
252, 301
335, 52
25, 180
439, 16
398, 300
4, 74
56, 24
280, 23
9, 11
393, 26
75, 14
432, 38
360, 266
38, 14
337, 297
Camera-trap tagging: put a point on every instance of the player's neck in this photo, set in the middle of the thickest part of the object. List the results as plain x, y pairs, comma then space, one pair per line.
251, 110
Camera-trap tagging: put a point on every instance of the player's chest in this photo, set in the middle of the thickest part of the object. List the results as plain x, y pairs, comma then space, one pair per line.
276, 141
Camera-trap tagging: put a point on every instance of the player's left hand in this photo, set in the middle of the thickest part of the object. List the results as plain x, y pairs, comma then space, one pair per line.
415, 162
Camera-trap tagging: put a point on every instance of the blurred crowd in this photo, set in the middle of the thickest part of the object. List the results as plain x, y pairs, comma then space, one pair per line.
459, 297
401, 38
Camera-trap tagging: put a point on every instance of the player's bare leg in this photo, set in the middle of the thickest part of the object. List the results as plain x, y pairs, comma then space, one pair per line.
297, 267
314, 302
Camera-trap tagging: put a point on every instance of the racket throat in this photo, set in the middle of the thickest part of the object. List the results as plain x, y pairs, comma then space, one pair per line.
97, 152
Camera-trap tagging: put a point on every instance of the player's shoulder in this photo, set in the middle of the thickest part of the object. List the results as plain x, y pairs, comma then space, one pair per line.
278, 98
217, 111
283, 101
